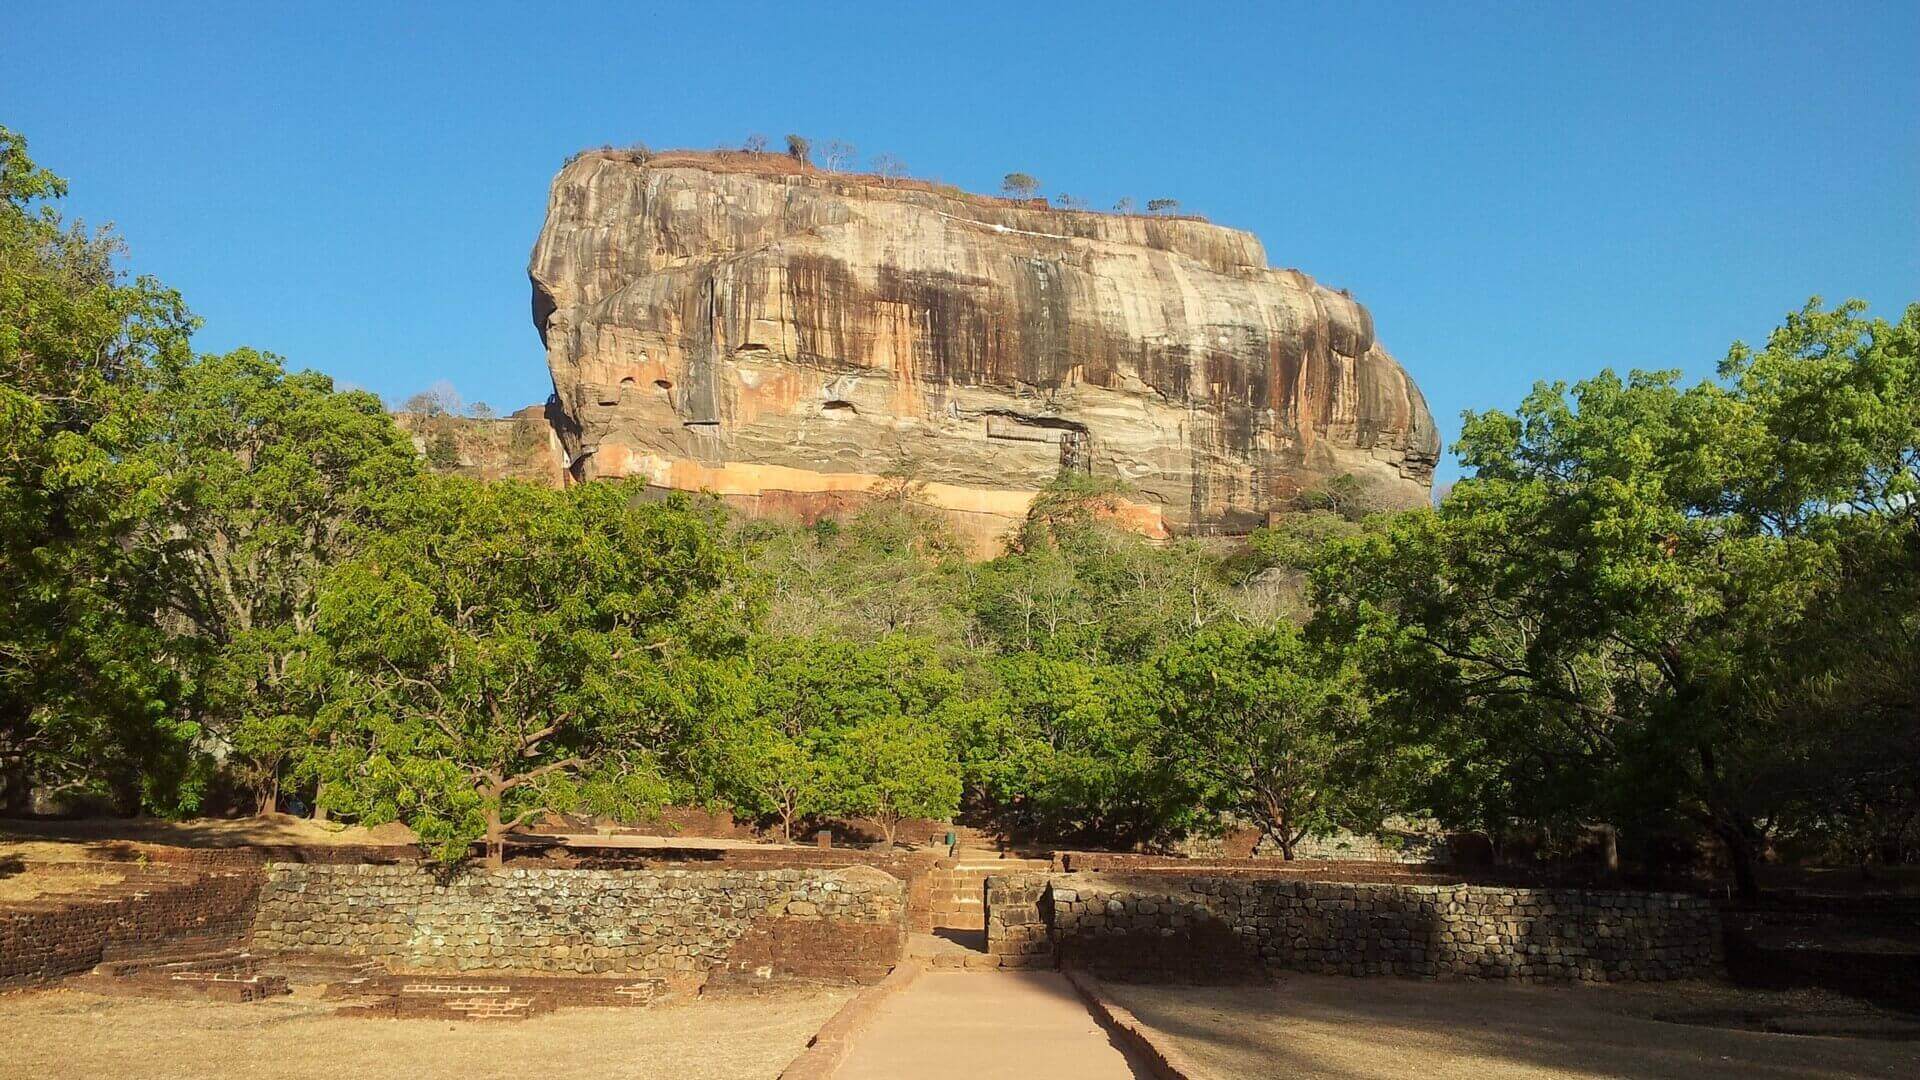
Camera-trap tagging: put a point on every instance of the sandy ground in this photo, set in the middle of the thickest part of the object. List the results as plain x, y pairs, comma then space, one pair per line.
58, 1034
203, 832
982, 1026
19, 882
1327, 1026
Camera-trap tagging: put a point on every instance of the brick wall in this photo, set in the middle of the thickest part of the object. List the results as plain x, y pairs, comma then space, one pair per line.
153, 910
957, 889
846, 923
1228, 928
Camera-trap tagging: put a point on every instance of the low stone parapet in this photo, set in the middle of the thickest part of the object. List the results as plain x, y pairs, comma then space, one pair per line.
682, 925
1234, 928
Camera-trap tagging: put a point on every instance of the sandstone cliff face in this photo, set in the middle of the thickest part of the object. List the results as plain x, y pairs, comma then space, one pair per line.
794, 339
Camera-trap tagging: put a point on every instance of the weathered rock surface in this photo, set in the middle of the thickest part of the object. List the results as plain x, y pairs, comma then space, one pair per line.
523, 446
791, 339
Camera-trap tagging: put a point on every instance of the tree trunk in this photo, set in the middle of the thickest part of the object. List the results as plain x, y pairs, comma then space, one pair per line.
1285, 841
267, 799
16, 786
1741, 842
1610, 849
496, 839
319, 801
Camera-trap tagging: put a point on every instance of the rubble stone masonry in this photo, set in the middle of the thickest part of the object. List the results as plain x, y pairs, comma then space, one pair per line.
846, 923
1236, 928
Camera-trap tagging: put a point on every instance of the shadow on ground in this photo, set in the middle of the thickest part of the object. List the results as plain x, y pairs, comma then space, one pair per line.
1334, 1027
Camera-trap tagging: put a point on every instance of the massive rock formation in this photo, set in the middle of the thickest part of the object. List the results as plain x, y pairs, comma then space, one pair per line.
793, 339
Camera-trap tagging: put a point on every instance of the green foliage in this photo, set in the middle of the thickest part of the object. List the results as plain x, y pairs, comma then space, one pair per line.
1070, 750
1277, 733
87, 702
500, 650
1076, 585
781, 745
1590, 623
891, 567
890, 767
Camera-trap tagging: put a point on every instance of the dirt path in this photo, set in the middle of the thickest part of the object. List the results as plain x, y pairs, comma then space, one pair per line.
980, 1025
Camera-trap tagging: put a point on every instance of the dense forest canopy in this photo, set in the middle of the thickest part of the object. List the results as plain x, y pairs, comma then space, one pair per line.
1680, 613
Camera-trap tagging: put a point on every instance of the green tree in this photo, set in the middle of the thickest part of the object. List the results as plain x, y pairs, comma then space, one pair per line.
1065, 749
891, 567
87, 699
800, 149
890, 768
1077, 584
799, 699
499, 650
248, 483
1597, 612
1276, 734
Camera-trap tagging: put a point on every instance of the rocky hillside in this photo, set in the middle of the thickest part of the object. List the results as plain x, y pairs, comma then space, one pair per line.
791, 338
523, 446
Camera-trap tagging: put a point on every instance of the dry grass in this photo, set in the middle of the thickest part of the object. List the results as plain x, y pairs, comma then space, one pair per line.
34, 883
59, 1034
198, 832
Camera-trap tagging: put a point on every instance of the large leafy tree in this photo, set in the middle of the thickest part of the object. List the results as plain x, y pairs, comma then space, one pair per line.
501, 650
802, 698
86, 699
247, 483
1277, 733
1594, 619
1076, 584
1063, 749
889, 768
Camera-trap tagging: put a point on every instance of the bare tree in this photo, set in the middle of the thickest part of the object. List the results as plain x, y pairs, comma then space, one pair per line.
480, 410
1070, 202
440, 399
840, 155
756, 144
1126, 205
800, 149
889, 167
1018, 185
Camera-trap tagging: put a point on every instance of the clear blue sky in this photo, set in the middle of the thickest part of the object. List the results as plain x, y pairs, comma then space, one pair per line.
1518, 191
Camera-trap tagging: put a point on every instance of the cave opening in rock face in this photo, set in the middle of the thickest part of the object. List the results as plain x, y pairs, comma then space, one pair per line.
989, 341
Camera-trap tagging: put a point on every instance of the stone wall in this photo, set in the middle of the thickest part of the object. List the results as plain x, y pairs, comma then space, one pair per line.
1413, 843
1019, 914
151, 910
1228, 928
677, 924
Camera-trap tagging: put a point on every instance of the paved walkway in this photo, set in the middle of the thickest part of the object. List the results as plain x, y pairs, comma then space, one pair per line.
980, 1025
